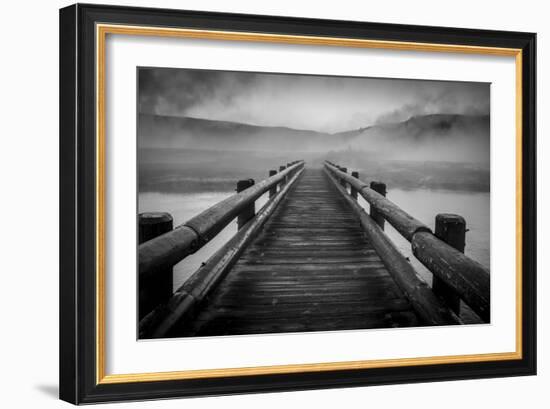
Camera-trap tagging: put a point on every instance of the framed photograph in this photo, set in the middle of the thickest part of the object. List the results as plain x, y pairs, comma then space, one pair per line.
257, 203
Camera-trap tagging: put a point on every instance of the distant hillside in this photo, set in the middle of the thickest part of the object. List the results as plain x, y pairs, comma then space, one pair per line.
440, 137
194, 133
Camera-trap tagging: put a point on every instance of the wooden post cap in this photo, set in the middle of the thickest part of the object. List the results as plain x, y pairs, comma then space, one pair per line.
450, 218
244, 184
379, 187
154, 217
153, 224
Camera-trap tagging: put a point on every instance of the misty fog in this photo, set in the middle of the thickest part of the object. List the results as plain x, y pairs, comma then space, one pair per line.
198, 130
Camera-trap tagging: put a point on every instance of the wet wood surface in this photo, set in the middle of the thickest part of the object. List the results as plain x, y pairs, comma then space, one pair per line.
311, 268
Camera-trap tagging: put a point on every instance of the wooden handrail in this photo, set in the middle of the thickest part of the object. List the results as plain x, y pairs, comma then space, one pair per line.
466, 277
170, 248
403, 222
428, 307
185, 301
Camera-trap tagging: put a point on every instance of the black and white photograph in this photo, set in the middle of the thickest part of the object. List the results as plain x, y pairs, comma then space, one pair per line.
280, 202
264, 199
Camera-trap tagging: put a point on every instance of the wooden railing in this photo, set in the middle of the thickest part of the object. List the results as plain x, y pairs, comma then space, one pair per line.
456, 276
158, 255
430, 309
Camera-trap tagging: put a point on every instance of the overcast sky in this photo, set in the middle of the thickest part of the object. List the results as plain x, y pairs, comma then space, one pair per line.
327, 104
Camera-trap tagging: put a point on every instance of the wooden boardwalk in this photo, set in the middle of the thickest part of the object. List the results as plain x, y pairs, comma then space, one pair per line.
311, 259
310, 268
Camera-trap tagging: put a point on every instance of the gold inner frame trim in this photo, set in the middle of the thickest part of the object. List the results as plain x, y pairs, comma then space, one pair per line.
101, 33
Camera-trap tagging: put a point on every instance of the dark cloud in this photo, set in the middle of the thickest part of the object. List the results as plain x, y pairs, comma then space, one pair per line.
168, 91
443, 98
322, 103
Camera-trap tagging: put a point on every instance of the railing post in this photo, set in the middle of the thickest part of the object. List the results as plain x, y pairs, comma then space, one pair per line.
157, 289
353, 191
377, 217
273, 190
249, 212
281, 168
450, 228
342, 181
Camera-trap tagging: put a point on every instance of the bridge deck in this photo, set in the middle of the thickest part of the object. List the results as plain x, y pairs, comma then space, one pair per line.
311, 268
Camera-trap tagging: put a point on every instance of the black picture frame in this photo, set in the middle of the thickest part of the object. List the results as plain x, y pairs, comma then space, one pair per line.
78, 356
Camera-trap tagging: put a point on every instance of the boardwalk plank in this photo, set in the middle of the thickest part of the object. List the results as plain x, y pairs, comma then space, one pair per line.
310, 269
